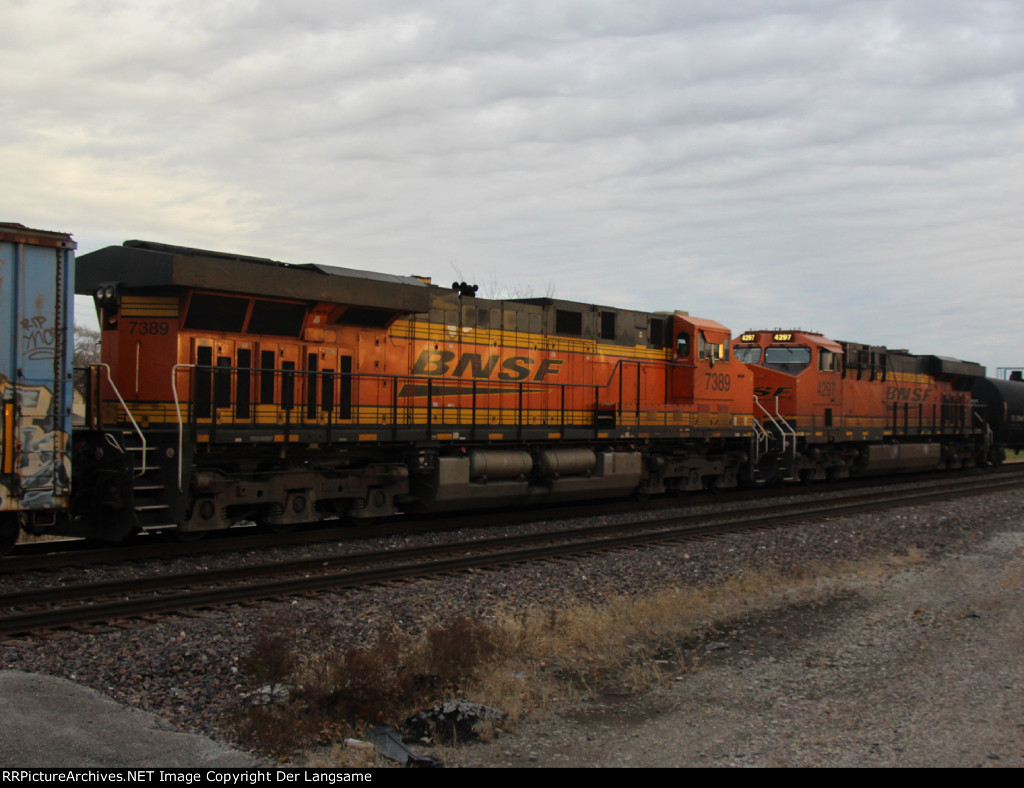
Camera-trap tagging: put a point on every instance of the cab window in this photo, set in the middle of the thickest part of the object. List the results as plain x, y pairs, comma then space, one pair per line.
683, 345
716, 351
749, 355
829, 361
788, 358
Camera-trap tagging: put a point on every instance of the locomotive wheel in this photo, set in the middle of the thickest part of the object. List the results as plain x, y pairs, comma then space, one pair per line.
9, 528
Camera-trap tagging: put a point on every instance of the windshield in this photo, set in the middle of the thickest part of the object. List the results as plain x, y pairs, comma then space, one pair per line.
749, 355
789, 359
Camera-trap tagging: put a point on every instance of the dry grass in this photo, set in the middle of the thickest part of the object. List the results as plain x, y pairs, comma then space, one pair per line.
516, 661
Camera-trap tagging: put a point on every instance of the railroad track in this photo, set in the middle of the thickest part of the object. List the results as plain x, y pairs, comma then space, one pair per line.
52, 555
23, 612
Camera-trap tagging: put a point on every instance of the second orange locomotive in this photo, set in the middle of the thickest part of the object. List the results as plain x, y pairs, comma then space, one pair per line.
836, 408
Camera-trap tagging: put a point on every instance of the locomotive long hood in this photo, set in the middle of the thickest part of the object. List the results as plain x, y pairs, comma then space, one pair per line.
141, 264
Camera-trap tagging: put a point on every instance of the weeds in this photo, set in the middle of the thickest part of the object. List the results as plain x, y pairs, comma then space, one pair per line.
306, 689
303, 689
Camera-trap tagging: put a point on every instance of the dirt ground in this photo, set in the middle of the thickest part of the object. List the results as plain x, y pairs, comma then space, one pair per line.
916, 665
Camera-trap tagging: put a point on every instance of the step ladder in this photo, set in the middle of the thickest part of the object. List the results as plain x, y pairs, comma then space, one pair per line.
784, 433
148, 485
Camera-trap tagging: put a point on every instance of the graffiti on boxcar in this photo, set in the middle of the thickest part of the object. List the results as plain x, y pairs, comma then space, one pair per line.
42, 467
40, 338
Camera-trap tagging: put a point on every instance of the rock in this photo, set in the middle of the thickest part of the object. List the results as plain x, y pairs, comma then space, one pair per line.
454, 721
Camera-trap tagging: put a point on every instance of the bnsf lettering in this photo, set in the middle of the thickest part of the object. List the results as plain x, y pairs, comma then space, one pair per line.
907, 394
768, 391
475, 361
433, 363
439, 362
548, 366
515, 369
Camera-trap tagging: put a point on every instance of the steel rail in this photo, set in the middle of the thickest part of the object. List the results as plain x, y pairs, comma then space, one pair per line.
407, 563
28, 557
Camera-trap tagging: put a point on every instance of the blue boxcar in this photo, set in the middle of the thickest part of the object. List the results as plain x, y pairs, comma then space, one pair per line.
37, 277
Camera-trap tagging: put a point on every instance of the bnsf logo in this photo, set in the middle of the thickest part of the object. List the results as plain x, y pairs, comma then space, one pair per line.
439, 362
769, 391
907, 394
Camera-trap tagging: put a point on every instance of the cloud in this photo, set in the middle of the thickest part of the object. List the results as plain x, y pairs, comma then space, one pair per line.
847, 164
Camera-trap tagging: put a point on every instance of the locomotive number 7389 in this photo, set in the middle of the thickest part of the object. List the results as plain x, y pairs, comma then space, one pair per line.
148, 327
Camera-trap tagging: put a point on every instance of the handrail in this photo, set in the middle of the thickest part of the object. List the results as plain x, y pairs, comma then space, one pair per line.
989, 437
177, 411
131, 418
792, 431
468, 384
782, 434
786, 444
760, 434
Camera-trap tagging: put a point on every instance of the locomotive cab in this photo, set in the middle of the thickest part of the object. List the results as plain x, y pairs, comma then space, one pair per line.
797, 377
705, 371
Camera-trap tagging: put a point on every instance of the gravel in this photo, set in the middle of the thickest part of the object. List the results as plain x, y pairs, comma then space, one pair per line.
186, 669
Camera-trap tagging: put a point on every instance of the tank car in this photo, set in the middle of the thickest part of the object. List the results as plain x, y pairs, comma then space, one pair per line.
832, 409
238, 388
36, 281
1001, 404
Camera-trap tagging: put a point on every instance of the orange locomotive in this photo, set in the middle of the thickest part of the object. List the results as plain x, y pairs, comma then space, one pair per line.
236, 388
829, 409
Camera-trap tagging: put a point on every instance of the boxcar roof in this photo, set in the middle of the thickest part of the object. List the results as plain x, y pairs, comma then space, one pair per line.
12, 232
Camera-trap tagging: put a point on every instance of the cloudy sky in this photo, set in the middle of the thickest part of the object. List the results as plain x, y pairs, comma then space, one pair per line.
855, 168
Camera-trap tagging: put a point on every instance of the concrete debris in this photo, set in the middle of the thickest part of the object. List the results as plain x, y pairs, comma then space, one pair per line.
454, 721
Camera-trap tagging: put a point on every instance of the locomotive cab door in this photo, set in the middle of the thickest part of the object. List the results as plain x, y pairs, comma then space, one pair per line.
681, 372
828, 390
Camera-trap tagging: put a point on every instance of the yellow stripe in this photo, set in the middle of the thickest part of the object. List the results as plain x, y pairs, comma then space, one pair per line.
437, 332
149, 306
150, 413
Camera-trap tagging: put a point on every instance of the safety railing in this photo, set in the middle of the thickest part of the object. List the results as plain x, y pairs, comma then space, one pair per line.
786, 432
209, 398
897, 419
